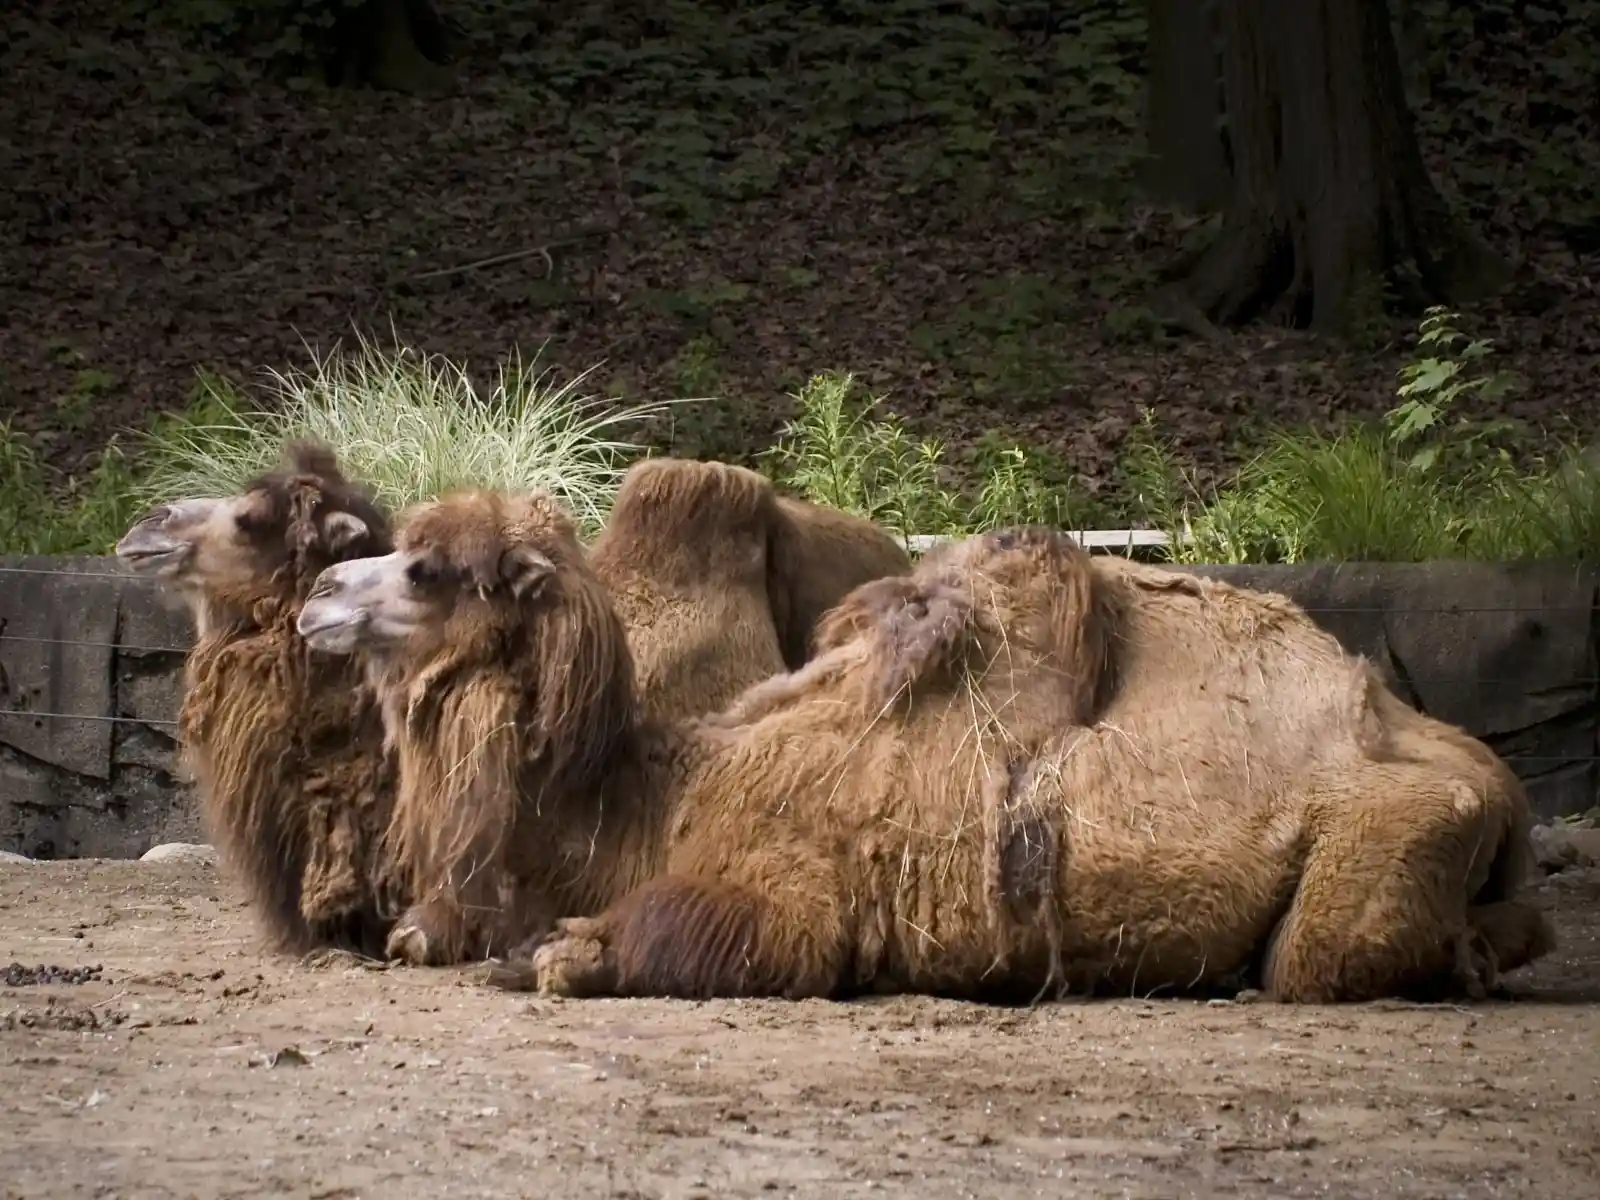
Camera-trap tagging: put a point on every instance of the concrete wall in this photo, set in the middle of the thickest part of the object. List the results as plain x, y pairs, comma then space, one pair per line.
93, 658
96, 659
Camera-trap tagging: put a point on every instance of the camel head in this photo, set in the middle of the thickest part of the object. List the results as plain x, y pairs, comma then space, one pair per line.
269, 540
485, 586
468, 571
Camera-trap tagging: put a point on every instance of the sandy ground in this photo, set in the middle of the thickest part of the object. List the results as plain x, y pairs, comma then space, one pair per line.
192, 1065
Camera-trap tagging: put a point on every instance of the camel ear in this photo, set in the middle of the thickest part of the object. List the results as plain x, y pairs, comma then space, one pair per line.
343, 530
525, 571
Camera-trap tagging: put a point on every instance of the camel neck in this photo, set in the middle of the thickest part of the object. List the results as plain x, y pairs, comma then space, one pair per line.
642, 797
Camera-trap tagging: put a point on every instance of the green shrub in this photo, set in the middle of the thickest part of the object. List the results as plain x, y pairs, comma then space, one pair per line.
836, 452
1425, 483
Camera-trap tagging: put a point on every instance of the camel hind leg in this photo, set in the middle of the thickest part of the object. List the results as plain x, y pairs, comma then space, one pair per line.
1385, 905
1516, 931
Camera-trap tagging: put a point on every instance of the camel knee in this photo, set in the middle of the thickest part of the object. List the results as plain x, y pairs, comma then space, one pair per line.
1335, 970
1334, 947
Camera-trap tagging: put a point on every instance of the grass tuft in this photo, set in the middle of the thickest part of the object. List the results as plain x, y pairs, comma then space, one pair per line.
411, 427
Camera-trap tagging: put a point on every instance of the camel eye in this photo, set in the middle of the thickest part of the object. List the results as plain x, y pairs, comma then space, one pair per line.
420, 574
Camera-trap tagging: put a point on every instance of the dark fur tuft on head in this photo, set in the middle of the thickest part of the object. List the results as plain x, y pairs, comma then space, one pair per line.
309, 509
311, 456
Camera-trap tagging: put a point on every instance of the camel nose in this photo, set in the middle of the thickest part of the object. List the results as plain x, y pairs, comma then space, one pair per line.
157, 515
327, 584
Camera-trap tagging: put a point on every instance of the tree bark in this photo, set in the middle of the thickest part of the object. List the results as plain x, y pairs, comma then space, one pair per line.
1188, 163
1330, 195
397, 45
1411, 40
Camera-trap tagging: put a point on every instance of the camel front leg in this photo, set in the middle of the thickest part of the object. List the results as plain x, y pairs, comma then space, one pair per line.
462, 922
696, 937
1385, 906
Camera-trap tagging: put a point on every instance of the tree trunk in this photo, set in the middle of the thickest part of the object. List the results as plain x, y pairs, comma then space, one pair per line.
397, 45
1411, 39
1188, 163
1330, 196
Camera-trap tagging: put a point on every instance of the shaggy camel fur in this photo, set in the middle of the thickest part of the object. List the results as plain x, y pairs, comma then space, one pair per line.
286, 749
481, 756
1017, 770
720, 582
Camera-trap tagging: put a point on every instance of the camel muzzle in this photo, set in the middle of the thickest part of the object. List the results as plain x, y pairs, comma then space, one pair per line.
149, 547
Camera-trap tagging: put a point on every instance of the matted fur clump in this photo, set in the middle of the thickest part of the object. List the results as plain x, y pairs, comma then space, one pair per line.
285, 748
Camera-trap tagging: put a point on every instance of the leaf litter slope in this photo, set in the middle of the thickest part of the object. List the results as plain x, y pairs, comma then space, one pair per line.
936, 201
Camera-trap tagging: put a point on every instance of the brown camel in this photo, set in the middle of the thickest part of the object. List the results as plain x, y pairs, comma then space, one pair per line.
720, 582
1016, 770
285, 748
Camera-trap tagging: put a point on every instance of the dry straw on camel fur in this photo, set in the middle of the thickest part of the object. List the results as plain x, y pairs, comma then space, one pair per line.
1017, 770
286, 748
703, 582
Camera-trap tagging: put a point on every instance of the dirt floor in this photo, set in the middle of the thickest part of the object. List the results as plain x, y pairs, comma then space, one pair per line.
190, 1064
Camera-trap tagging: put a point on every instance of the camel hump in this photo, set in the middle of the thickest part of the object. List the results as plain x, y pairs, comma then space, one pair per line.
1029, 592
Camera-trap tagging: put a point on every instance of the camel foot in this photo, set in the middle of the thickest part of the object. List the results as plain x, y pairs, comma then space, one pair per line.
573, 965
1477, 971
408, 943
418, 941
1518, 932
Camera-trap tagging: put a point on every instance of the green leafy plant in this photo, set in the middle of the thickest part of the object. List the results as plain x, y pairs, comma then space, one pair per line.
1432, 384
836, 452
1424, 484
